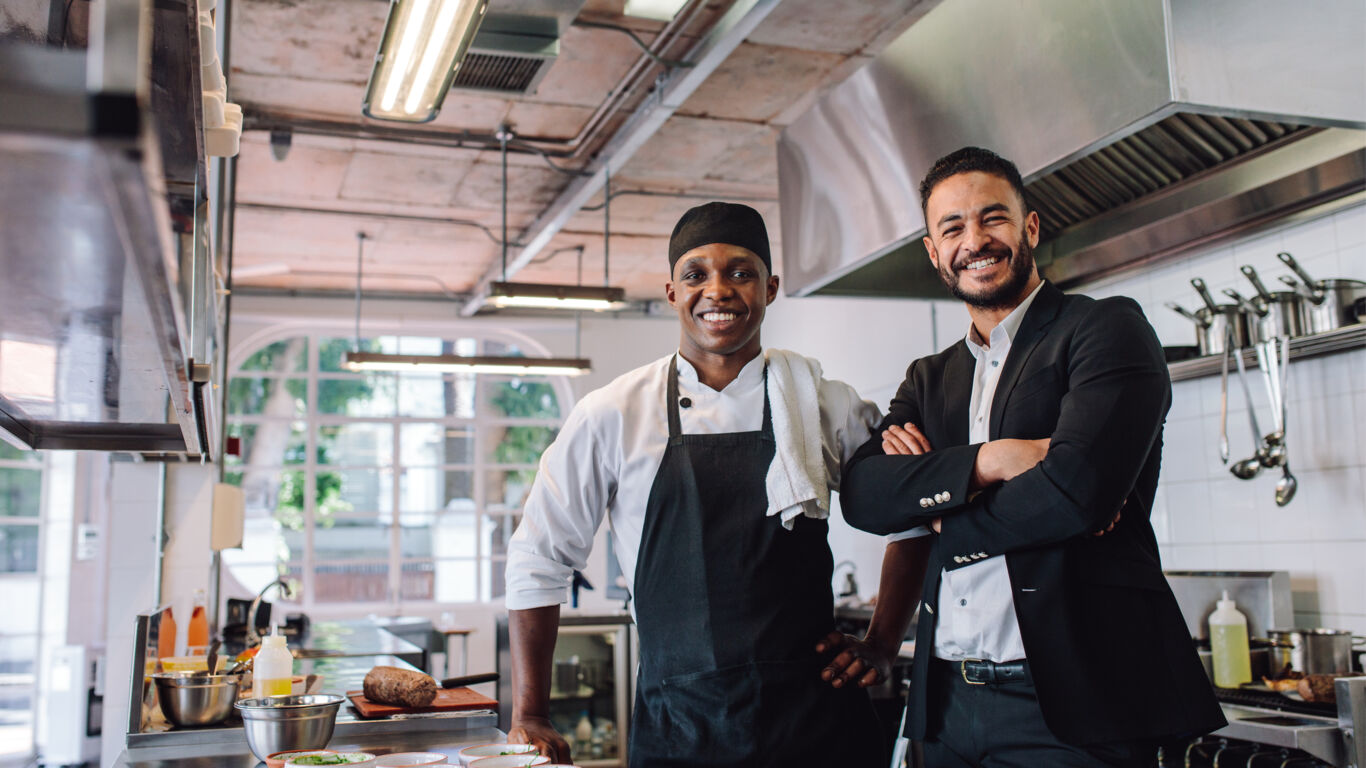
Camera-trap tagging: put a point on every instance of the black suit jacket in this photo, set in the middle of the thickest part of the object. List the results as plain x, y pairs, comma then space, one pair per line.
1111, 657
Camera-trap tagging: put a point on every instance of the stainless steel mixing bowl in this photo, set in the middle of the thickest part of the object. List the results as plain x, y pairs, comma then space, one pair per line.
190, 700
279, 723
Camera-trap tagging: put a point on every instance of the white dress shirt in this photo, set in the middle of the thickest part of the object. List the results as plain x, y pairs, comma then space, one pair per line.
976, 607
605, 458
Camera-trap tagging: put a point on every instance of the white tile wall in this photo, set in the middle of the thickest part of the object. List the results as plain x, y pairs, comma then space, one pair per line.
1206, 518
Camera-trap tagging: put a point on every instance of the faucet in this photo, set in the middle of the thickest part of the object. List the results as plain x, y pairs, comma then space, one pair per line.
254, 638
850, 588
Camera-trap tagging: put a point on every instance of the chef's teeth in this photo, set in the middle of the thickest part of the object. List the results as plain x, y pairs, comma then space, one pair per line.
980, 263
719, 317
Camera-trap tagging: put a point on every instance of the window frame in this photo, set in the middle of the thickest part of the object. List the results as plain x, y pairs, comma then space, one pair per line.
480, 465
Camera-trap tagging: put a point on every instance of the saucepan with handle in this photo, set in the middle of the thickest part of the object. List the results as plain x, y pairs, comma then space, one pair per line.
1328, 304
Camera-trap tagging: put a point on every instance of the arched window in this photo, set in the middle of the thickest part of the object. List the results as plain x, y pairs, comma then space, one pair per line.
376, 491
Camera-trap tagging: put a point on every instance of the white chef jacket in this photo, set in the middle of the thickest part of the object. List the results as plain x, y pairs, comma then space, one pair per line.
976, 607
605, 458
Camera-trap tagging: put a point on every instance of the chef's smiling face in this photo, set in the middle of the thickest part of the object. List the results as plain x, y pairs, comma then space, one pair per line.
981, 240
720, 292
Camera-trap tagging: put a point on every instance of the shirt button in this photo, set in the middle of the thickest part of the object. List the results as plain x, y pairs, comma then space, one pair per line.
963, 602
995, 363
685, 402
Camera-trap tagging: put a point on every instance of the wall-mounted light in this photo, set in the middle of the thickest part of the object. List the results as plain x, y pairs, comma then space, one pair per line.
512, 366
422, 45
659, 10
555, 296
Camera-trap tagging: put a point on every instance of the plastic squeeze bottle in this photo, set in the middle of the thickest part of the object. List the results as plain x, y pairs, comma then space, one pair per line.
1228, 641
166, 634
197, 637
274, 666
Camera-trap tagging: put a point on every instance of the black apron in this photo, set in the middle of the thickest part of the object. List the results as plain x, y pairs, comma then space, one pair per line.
729, 607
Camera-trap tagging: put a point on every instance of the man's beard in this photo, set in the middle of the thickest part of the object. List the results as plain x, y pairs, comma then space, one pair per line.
1004, 296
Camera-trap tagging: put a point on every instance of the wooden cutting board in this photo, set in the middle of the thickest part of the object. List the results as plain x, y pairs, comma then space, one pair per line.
447, 700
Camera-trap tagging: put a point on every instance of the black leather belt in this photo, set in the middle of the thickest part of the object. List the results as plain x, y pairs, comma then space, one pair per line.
983, 672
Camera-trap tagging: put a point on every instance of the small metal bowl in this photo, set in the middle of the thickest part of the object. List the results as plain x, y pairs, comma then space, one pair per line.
191, 700
279, 723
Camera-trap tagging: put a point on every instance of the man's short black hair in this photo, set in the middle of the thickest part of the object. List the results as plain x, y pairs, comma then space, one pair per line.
967, 160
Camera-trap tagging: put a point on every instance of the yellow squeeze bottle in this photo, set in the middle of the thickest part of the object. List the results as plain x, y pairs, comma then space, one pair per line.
273, 669
1228, 642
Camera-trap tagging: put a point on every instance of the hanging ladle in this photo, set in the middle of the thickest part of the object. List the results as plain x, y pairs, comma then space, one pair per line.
1287, 484
1223, 395
1247, 469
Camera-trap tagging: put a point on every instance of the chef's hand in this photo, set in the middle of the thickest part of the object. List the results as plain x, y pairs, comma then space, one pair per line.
538, 732
855, 661
906, 440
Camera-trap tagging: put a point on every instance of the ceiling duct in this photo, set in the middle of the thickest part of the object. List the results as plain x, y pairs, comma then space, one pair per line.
515, 46
1143, 128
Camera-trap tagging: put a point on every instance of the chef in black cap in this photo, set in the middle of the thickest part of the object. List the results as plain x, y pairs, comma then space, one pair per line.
691, 460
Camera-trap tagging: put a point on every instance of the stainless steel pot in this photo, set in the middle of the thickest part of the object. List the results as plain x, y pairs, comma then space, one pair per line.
1274, 314
1328, 304
1214, 322
1313, 651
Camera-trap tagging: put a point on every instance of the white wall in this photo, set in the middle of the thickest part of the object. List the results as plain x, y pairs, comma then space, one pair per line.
1206, 518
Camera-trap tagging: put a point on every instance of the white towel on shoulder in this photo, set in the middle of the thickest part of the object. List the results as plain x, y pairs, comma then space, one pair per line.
796, 482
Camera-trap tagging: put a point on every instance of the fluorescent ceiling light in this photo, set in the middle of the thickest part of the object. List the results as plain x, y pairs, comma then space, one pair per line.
659, 10
555, 296
514, 366
422, 45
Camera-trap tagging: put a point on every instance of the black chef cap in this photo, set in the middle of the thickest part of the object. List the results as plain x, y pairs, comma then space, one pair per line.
728, 223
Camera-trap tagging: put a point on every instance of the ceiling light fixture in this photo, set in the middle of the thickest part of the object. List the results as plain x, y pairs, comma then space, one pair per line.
578, 297
422, 46
510, 366
659, 10
551, 296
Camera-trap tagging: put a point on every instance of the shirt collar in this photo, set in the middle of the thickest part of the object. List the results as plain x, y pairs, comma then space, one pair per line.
1005, 331
751, 375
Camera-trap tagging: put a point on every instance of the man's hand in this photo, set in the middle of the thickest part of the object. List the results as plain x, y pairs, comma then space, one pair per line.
538, 732
1001, 460
855, 661
904, 441
1112, 524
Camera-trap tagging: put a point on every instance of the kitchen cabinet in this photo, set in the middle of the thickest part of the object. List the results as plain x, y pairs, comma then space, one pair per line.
592, 686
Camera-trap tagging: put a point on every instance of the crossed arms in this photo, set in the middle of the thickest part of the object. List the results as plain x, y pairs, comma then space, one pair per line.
1028, 493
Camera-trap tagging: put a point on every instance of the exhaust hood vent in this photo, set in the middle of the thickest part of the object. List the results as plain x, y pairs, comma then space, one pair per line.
1157, 157
1142, 128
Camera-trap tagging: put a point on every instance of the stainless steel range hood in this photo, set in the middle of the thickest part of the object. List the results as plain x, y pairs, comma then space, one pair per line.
1143, 128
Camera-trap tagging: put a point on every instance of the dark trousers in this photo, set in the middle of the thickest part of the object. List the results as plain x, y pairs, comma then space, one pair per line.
1001, 726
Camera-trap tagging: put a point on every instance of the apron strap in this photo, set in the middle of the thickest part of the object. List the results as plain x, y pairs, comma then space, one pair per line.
671, 398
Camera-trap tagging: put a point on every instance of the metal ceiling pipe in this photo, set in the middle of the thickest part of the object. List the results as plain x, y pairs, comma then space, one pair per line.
673, 90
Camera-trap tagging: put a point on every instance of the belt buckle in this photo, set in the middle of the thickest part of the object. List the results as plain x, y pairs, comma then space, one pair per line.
963, 668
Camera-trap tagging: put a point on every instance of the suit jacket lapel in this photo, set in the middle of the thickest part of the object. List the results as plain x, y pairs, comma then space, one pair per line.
1036, 321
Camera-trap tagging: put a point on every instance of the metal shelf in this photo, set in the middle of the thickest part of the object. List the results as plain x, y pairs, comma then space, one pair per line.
1348, 337
93, 337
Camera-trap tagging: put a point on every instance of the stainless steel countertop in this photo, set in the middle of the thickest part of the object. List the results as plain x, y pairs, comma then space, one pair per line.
225, 744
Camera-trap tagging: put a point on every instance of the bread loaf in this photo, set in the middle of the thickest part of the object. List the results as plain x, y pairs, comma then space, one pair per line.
399, 687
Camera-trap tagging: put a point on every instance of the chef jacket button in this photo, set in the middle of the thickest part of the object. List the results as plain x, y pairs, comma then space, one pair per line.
685, 402
981, 554
958, 558
924, 502
941, 497
947, 496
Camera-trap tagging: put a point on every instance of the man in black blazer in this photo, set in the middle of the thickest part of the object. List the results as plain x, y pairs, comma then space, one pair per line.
1048, 635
